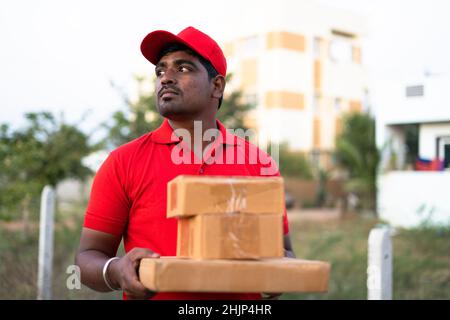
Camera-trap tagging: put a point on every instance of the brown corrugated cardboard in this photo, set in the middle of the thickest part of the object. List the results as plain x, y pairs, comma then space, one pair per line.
230, 236
194, 195
170, 274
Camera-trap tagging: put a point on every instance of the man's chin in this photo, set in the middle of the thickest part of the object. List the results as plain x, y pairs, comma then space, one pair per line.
172, 112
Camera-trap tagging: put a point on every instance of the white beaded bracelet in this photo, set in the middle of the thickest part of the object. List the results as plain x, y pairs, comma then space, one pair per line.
105, 269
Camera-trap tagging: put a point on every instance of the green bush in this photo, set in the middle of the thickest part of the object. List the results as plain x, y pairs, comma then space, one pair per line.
294, 163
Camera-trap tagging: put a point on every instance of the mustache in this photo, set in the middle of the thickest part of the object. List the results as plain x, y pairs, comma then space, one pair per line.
168, 88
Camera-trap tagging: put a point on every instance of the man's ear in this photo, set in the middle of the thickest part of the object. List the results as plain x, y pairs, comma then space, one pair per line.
218, 84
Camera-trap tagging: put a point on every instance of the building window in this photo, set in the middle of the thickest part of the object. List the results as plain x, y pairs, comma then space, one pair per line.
338, 104
366, 100
447, 156
251, 99
316, 104
415, 91
315, 157
251, 46
316, 48
341, 50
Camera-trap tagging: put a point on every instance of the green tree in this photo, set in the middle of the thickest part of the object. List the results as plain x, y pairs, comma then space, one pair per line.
234, 109
357, 154
141, 115
294, 164
45, 151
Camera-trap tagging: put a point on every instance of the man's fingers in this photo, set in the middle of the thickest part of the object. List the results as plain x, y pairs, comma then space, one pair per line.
132, 287
136, 289
140, 253
131, 296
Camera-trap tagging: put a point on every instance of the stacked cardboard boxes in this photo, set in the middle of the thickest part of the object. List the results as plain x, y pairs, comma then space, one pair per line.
227, 218
230, 239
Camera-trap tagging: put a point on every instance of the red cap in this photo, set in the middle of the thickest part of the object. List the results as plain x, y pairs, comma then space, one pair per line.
196, 40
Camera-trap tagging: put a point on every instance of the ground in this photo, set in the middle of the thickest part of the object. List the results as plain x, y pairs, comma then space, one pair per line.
421, 256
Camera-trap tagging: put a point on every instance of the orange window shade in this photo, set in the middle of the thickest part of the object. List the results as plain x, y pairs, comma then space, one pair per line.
356, 54
338, 126
317, 75
228, 49
249, 73
355, 106
285, 99
316, 132
285, 40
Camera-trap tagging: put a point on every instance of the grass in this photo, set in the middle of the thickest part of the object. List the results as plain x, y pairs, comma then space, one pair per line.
421, 259
19, 260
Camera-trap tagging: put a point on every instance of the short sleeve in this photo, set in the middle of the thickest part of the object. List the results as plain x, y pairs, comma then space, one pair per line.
108, 206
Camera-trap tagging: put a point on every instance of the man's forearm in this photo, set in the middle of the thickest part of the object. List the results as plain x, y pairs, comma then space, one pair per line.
91, 263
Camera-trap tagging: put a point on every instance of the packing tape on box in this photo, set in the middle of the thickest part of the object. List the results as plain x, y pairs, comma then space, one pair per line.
236, 202
239, 236
225, 195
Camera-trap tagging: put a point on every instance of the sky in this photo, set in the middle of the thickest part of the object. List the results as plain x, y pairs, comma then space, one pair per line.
62, 55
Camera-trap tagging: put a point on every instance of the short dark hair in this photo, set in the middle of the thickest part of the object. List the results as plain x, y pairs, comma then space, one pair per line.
174, 47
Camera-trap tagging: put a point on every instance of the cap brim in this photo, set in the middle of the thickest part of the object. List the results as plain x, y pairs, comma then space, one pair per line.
155, 41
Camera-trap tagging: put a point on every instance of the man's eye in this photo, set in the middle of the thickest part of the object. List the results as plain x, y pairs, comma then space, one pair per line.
159, 73
184, 69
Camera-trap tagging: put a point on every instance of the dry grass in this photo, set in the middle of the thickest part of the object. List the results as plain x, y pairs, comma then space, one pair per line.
421, 258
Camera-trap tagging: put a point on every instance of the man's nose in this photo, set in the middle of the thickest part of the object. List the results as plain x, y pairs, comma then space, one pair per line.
168, 77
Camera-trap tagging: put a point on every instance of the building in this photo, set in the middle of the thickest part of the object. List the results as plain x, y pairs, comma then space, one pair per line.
413, 133
300, 63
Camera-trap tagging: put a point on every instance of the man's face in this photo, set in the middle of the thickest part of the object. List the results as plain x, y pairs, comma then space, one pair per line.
183, 89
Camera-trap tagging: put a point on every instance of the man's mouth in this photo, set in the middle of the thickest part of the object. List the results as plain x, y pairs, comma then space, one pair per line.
167, 93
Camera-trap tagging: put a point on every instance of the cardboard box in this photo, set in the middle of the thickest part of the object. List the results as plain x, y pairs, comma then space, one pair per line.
194, 195
230, 236
169, 274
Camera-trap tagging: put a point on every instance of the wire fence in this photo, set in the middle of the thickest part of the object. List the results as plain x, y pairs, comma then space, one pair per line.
19, 244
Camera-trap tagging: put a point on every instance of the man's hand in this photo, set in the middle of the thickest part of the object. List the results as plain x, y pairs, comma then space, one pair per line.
123, 273
288, 253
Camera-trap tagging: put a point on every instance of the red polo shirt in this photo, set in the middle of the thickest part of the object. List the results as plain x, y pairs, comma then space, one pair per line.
129, 192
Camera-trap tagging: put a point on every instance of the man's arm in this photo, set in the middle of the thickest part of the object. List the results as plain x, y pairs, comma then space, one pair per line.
94, 251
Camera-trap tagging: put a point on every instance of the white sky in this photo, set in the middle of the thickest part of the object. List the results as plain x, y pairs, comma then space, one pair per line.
60, 55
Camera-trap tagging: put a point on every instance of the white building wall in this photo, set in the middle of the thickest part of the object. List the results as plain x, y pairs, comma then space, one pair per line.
393, 107
343, 80
286, 70
410, 198
284, 125
328, 127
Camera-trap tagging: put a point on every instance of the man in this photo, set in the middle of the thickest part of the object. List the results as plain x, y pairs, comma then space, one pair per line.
128, 196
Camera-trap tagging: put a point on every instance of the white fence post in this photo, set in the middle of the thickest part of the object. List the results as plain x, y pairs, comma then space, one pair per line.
379, 270
46, 244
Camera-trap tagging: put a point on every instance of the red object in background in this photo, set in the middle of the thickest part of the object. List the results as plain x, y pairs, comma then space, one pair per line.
429, 165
